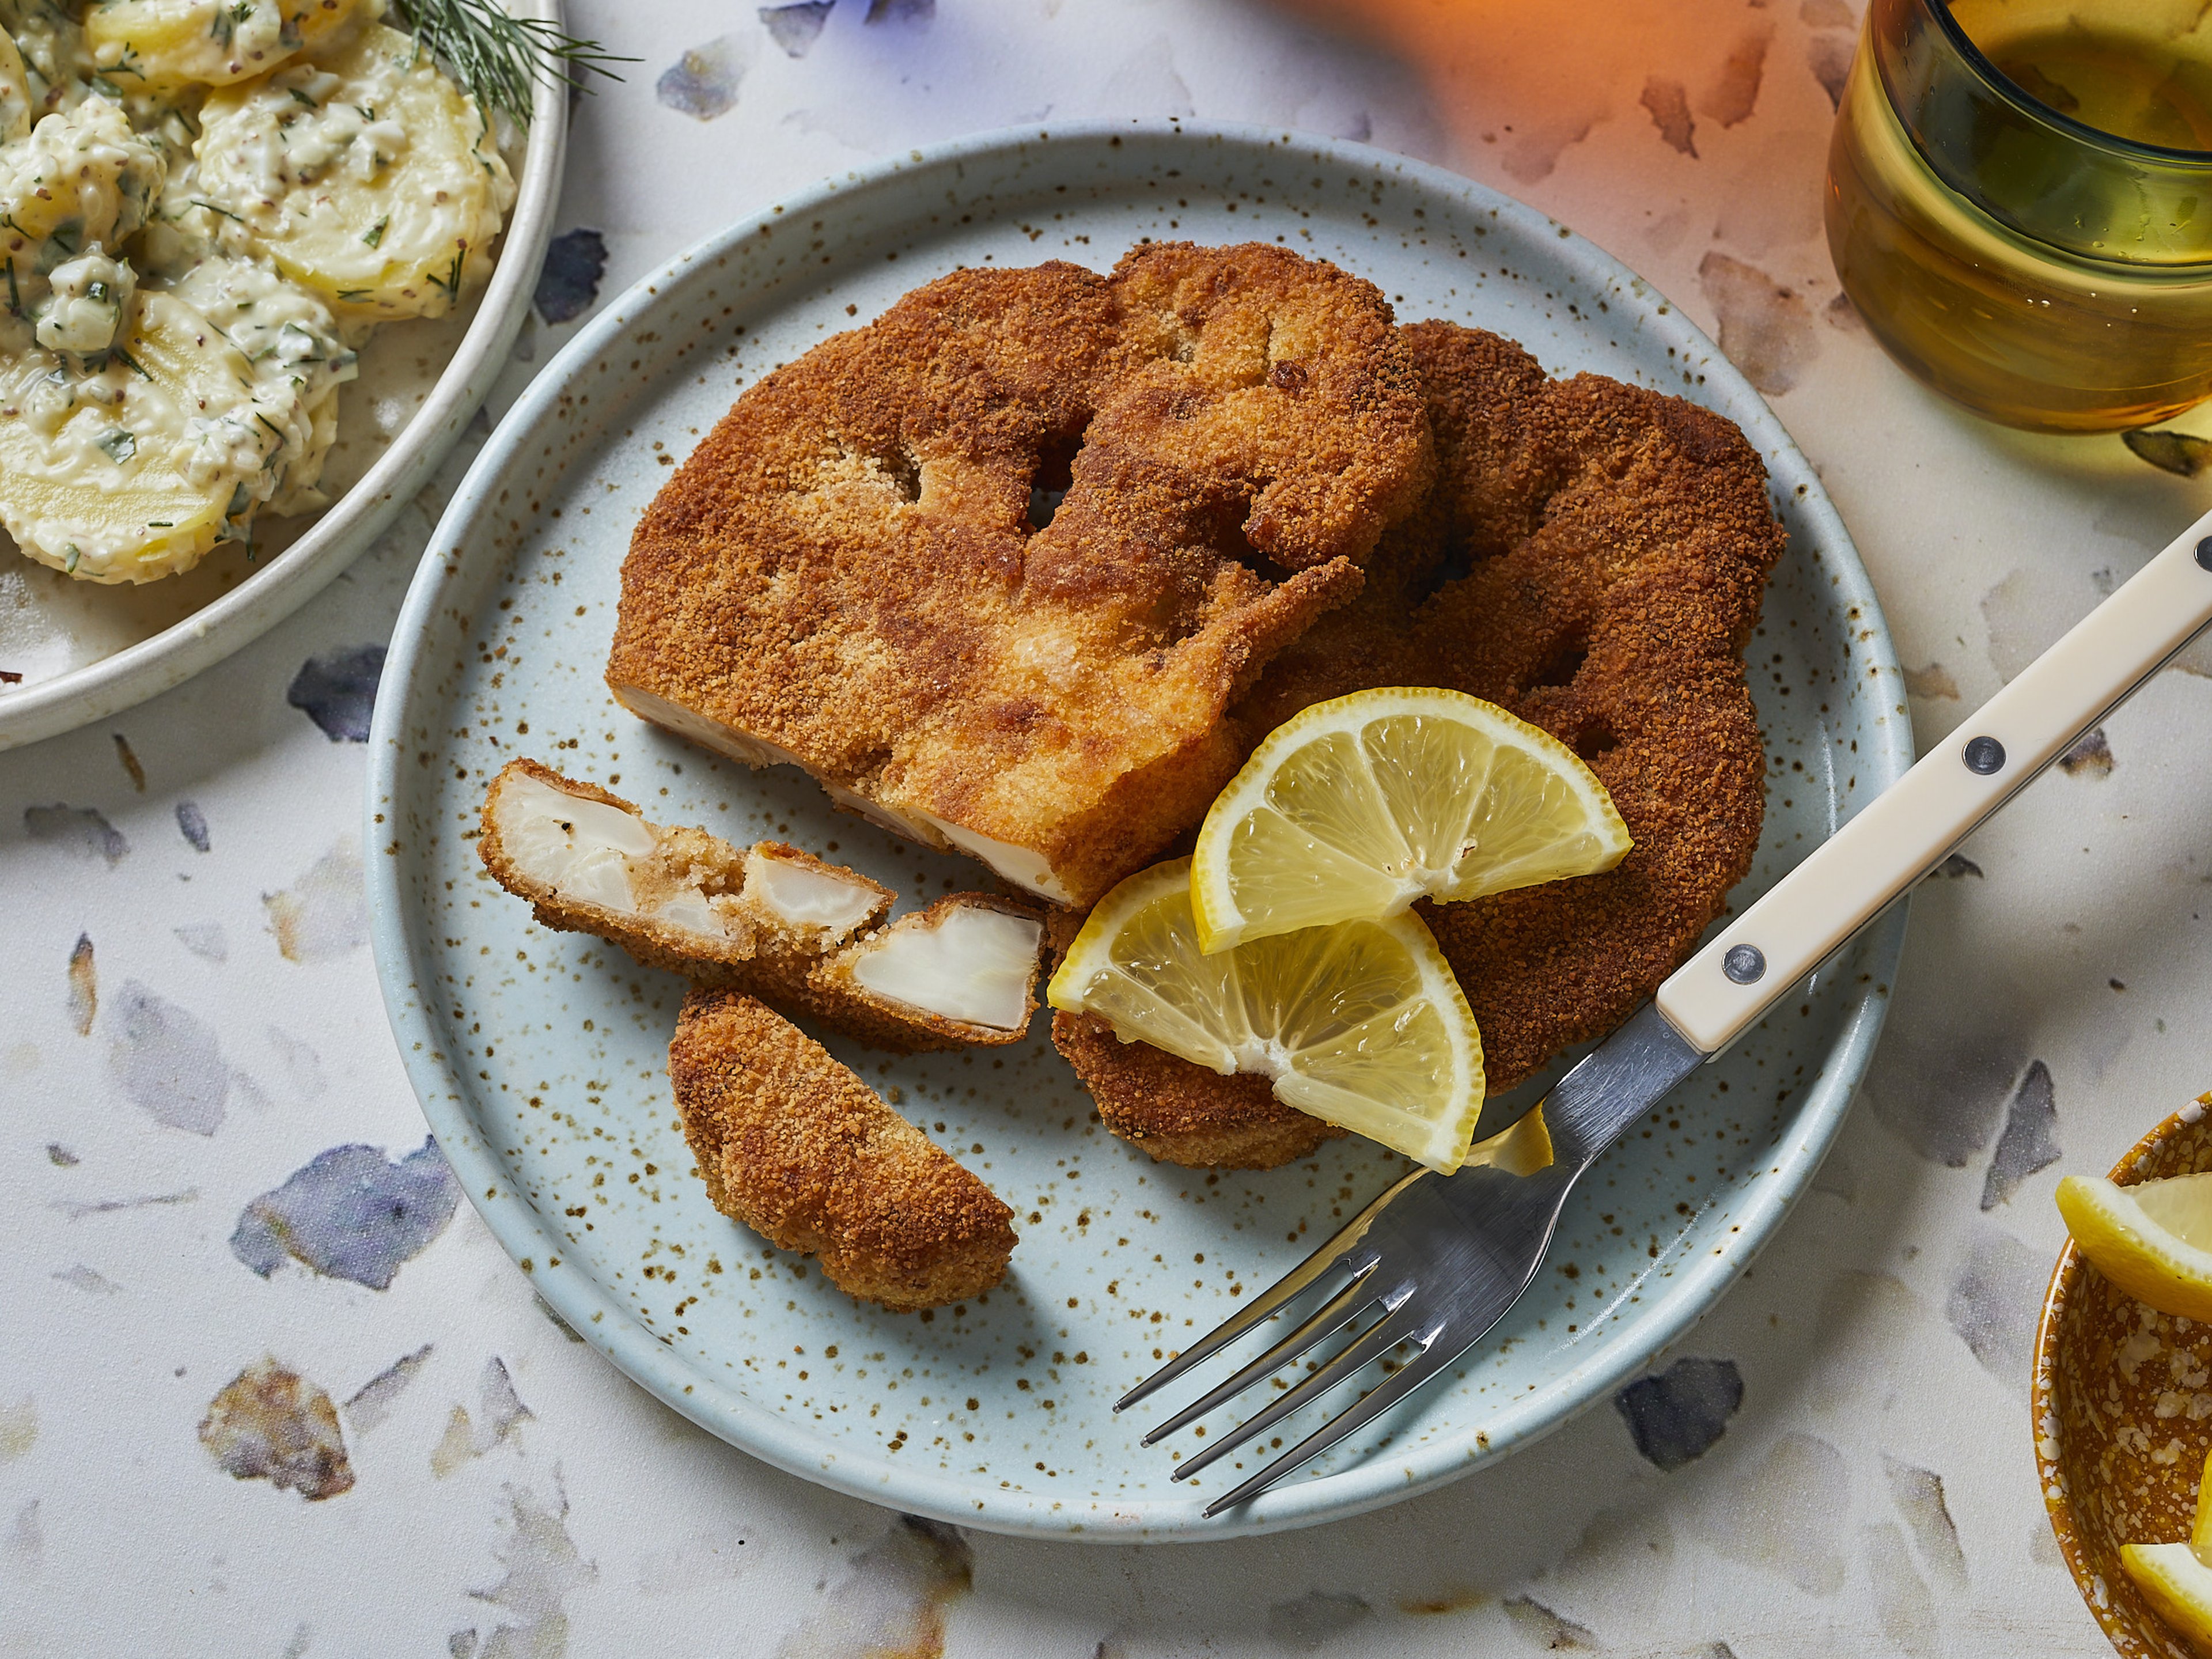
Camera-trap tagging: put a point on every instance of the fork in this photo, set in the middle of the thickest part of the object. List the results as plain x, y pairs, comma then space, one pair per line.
1437, 1260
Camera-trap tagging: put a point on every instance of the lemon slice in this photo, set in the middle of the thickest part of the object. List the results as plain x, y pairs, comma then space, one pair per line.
1362, 1024
2154, 1240
1358, 806
2174, 1578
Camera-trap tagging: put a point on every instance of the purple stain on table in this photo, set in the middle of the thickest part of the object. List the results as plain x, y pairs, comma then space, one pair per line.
269, 1425
337, 689
350, 1214
703, 82
371, 1403
895, 1599
543, 1567
191, 823
1315, 1621
166, 1061
83, 831
2092, 756
568, 281
796, 29
1675, 1416
325, 914
2030, 1140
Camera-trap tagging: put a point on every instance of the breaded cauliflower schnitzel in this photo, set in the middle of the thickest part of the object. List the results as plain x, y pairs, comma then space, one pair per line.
1592, 558
861, 570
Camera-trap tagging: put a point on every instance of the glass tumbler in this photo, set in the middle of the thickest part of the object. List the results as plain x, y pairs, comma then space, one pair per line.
2020, 203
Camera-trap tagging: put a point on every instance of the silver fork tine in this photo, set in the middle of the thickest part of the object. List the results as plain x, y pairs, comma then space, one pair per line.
1332, 1316
1341, 1250
1386, 1394
1377, 1340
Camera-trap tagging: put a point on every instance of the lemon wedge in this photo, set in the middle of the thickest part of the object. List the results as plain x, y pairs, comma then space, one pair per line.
1356, 807
2154, 1240
2175, 1578
1362, 1023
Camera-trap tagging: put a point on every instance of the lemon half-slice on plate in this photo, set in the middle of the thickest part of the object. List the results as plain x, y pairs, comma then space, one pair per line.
1362, 1023
2153, 1239
1356, 807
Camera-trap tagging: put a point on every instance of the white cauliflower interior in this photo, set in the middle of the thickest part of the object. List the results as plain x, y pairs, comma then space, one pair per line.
590, 852
805, 895
966, 962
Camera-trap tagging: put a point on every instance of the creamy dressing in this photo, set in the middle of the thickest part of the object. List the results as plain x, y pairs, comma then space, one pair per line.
171, 346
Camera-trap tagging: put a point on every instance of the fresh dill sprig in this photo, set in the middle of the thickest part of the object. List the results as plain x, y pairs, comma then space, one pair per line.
499, 58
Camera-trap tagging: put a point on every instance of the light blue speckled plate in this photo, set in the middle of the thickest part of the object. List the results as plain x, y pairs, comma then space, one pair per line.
540, 1057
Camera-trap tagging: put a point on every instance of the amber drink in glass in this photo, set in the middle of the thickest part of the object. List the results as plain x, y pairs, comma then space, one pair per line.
2020, 203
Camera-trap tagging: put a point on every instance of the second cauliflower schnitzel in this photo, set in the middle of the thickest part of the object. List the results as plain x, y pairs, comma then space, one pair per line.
1592, 558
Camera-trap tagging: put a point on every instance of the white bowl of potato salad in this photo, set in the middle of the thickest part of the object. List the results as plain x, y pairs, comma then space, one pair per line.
263, 260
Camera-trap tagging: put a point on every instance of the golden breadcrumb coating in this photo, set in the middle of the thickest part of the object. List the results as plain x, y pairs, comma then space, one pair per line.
799, 969
848, 572
1592, 558
795, 1147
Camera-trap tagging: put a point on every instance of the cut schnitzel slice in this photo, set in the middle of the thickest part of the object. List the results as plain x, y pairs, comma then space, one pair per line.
861, 569
775, 921
964, 971
1592, 558
798, 1148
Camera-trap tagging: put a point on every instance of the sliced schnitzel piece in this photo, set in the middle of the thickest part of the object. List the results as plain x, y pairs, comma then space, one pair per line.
775, 921
964, 970
862, 569
1592, 558
798, 1148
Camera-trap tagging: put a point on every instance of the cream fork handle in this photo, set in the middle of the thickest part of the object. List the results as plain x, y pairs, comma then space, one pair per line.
1907, 829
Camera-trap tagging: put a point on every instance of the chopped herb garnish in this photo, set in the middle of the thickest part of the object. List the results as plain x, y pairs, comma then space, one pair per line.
128, 362
500, 59
300, 97
452, 280
161, 523
73, 556
355, 292
120, 445
374, 234
212, 208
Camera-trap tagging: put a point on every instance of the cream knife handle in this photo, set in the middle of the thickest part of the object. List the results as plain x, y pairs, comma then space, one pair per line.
1908, 829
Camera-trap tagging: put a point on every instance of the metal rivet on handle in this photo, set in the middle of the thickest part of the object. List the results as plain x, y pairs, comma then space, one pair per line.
1745, 964
2204, 553
1984, 754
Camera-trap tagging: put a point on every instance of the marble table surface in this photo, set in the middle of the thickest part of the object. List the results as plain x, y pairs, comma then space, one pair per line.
196, 1079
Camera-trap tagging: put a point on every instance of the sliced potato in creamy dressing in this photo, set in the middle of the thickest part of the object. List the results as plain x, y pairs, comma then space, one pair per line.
365, 175
81, 176
160, 44
133, 471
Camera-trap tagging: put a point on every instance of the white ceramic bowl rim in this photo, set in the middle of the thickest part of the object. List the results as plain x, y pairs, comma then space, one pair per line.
1765, 1200
351, 525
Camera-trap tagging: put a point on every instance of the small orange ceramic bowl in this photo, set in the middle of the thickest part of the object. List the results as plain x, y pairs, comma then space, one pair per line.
2122, 1412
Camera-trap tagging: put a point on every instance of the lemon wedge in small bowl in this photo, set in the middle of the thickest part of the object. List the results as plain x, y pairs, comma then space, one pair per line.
1360, 1023
1356, 807
2176, 1579
2153, 1239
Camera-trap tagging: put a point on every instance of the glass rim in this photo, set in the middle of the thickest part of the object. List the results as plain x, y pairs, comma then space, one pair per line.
2029, 104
